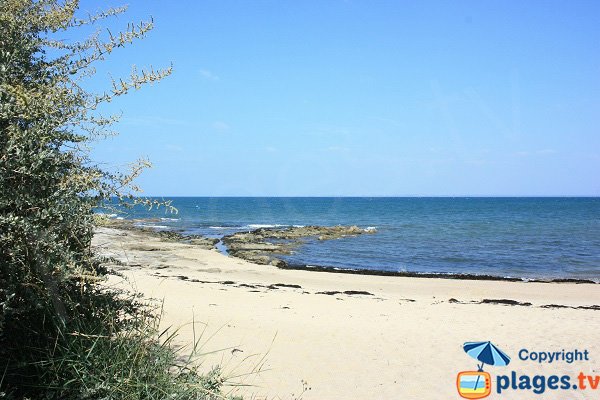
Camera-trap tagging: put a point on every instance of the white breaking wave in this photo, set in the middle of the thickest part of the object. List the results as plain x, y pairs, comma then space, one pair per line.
257, 226
169, 219
154, 226
107, 215
370, 229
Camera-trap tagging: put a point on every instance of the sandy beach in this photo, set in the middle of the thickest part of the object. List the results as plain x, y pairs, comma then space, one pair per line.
315, 335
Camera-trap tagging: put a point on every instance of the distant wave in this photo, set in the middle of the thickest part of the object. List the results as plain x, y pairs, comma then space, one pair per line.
153, 226
258, 226
169, 219
268, 226
106, 215
250, 226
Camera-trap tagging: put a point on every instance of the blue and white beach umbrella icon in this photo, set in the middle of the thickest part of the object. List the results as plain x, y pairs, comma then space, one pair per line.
487, 353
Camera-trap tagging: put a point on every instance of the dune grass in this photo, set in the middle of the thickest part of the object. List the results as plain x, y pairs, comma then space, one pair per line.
106, 345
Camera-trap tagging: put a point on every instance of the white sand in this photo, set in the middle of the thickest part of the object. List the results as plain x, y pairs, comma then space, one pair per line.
402, 342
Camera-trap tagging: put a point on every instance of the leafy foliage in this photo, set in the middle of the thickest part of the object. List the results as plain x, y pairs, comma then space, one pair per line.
61, 336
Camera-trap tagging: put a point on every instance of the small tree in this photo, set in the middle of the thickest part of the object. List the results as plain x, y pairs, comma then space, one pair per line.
49, 187
48, 184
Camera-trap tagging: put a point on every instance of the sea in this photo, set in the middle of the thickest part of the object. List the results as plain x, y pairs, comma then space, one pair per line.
526, 238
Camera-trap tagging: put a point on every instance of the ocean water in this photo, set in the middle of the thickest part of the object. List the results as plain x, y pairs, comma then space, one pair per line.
509, 237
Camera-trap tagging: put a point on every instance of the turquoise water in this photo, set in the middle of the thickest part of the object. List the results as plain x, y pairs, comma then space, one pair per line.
508, 237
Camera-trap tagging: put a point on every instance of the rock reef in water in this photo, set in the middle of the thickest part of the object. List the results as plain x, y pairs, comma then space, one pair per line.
261, 245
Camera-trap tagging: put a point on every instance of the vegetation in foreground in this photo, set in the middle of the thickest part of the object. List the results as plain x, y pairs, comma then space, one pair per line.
62, 335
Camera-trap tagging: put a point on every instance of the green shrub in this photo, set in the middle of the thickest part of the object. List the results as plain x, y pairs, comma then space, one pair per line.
61, 335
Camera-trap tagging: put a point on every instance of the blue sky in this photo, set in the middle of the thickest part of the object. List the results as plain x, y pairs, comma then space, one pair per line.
371, 98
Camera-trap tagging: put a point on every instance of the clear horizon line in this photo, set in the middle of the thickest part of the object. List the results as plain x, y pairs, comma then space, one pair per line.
380, 196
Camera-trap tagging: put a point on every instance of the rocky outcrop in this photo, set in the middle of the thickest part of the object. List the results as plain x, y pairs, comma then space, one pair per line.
262, 245
170, 236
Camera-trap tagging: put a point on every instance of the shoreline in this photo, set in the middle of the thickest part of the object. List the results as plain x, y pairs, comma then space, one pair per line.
349, 336
221, 245
429, 275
